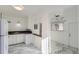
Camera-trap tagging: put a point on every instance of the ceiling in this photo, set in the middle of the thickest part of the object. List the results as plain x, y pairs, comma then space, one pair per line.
28, 10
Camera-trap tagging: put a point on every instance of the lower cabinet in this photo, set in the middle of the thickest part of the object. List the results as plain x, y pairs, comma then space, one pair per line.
37, 41
28, 39
14, 39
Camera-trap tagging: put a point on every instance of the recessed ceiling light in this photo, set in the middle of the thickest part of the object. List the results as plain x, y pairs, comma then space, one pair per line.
18, 7
18, 24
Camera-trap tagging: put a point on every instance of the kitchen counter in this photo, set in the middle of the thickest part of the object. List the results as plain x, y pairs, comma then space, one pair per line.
19, 32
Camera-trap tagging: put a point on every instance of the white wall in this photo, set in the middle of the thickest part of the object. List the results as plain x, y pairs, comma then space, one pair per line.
70, 15
46, 37
12, 26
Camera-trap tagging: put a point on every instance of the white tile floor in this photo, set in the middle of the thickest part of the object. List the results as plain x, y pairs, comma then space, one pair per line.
23, 49
58, 48
30, 49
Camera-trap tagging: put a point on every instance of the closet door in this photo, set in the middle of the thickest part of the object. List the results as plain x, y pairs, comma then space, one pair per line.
73, 34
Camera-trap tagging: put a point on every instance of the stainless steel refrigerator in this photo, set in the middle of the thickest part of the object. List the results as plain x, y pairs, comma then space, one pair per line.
3, 36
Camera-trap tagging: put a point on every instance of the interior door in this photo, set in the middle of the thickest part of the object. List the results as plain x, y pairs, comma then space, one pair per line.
73, 34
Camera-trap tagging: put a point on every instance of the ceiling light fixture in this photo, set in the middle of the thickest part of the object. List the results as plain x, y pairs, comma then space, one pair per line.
18, 7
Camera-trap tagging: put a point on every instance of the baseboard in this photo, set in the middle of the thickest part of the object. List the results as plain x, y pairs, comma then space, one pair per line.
16, 44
